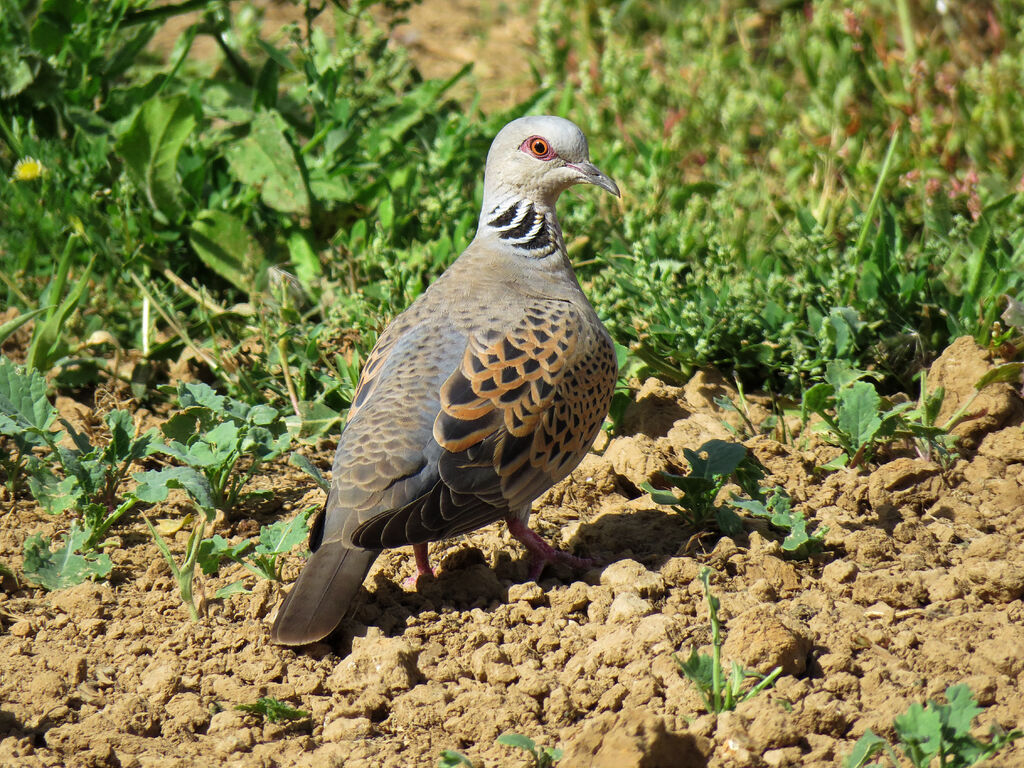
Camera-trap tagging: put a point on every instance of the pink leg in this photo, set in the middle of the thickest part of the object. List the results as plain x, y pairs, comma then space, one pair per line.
423, 568
541, 553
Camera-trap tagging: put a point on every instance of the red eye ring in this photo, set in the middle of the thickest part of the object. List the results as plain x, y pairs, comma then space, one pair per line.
538, 146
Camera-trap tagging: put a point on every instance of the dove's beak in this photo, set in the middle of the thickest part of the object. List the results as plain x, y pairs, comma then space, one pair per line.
590, 174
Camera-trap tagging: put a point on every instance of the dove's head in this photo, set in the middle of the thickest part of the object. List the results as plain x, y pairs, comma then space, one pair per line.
537, 158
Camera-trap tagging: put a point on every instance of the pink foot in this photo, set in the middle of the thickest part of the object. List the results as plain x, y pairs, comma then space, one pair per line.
423, 568
542, 553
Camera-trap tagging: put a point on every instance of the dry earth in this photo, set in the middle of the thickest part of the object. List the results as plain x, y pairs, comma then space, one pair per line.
919, 587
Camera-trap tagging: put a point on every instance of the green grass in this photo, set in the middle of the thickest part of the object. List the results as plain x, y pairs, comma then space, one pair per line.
800, 188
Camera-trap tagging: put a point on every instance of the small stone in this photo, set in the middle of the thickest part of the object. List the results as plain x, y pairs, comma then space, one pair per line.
763, 638
239, 740
22, 628
626, 606
376, 663
780, 758
631, 576
348, 729
226, 721
839, 572
484, 658
529, 592
160, 680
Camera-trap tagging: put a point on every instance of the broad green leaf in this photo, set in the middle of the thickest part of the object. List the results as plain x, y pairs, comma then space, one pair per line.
659, 496
817, 400
23, 401
452, 759
857, 413
224, 244
234, 588
64, 567
215, 549
54, 496
265, 160
316, 419
284, 535
154, 484
150, 148
721, 459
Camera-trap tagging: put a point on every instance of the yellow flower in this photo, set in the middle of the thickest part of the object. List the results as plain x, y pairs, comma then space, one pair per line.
28, 169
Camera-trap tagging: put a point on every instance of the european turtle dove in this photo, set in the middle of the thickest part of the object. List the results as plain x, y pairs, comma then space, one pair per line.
484, 393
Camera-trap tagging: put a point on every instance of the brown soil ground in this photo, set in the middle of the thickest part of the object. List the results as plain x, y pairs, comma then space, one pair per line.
919, 587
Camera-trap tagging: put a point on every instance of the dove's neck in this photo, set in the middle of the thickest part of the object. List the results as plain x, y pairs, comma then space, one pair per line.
529, 227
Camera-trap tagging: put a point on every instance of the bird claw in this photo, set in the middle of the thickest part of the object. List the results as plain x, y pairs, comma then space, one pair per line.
537, 562
413, 582
542, 553
422, 567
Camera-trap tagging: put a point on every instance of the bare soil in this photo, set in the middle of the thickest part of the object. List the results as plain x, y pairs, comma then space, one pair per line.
920, 586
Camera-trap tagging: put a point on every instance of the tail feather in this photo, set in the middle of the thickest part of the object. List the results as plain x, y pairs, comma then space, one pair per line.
322, 594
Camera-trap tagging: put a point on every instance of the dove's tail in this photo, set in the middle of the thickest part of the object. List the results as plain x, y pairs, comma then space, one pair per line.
322, 594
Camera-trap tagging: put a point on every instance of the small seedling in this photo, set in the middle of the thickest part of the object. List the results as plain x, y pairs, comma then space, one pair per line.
212, 433
183, 574
272, 710
860, 421
712, 466
543, 757
706, 673
777, 508
452, 759
260, 557
941, 731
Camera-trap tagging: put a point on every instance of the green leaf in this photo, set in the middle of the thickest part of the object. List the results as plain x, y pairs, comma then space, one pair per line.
150, 149
518, 740
303, 258
857, 413
154, 484
216, 549
23, 402
818, 399
316, 419
54, 495
659, 496
265, 160
273, 710
64, 567
225, 246
1008, 372
452, 759
867, 746
716, 458
300, 461
232, 589
284, 535
6, 329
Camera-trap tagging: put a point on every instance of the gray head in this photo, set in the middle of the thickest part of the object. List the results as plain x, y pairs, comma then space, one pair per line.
537, 158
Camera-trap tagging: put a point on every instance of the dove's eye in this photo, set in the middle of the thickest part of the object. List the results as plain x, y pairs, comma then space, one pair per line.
538, 147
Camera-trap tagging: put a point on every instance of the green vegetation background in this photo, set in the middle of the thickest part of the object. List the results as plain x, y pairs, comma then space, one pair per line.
803, 183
